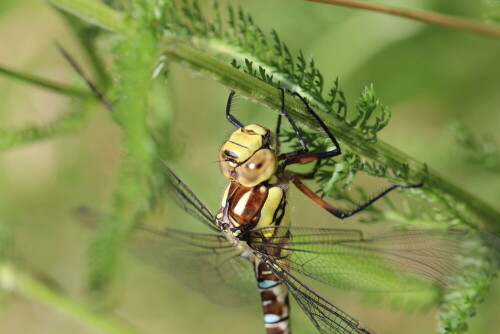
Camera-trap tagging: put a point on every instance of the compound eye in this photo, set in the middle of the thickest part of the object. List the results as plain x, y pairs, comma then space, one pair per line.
227, 166
259, 168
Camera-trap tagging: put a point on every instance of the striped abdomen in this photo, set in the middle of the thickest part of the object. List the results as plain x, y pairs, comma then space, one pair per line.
274, 295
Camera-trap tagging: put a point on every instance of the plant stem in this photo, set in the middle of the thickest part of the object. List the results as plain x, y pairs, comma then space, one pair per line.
444, 20
66, 123
47, 84
383, 153
13, 279
95, 13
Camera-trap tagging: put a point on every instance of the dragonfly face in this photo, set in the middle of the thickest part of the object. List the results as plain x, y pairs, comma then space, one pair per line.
249, 156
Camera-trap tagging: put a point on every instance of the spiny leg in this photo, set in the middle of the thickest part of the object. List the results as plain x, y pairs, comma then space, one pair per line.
332, 153
302, 142
311, 174
297, 157
341, 214
277, 132
293, 159
230, 117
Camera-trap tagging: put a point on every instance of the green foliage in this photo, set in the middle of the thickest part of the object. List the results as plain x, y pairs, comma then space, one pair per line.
271, 61
482, 152
65, 124
95, 13
492, 10
238, 53
136, 181
468, 289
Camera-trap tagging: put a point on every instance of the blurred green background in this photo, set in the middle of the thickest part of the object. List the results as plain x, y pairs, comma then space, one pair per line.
428, 76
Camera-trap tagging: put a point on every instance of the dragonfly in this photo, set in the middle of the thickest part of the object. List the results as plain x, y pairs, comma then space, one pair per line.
250, 241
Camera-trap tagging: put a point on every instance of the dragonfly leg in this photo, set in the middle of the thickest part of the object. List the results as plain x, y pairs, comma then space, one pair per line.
230, 117
311, 174
303, 149
342, 214
302, 155
277, 132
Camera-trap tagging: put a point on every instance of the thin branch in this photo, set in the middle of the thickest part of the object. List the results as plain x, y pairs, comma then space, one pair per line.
15, 280
444, 20
66, 123
87, 36
82, 74
45, 83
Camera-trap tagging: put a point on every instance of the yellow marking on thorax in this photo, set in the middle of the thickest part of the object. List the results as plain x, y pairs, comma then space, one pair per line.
233, 221
242, 203
224, 198
285, 221
272, 202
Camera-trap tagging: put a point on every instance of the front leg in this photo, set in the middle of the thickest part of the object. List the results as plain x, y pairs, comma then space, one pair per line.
301, 156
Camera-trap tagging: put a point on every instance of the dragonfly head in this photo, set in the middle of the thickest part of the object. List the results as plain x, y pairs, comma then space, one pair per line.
249, 156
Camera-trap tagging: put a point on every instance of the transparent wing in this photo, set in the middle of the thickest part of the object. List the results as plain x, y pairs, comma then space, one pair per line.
207, 263
397, 260
188, 201
327, 318
204, 262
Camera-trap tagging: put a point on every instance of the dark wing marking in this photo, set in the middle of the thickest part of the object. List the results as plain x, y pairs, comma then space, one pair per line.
188, 201
327, 318
397, 260
204, 262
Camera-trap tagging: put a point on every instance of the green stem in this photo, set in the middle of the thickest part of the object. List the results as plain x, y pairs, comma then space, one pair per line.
96, 13
444, 20
13, 279
383, 153
67, 123
47, 84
